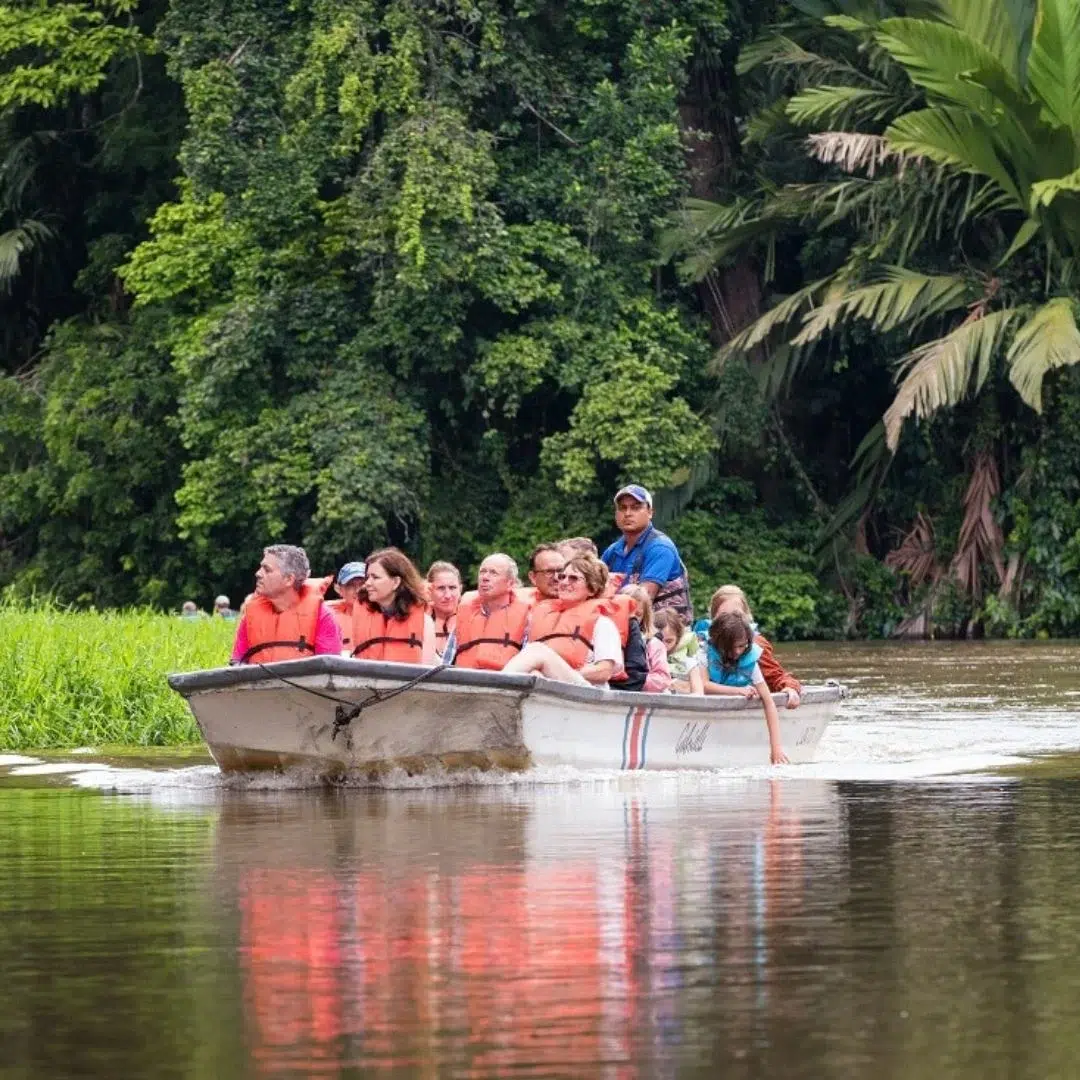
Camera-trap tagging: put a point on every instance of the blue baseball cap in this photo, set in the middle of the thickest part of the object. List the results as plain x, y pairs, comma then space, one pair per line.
351, 570
635, 491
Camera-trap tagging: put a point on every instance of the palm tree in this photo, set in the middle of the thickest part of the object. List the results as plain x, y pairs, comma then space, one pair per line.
991, 156
952, 135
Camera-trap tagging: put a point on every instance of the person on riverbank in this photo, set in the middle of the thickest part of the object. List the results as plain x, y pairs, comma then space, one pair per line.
444, 596
732, 598
348, 584
223, 609
645, 556
734, 671
285, 618
391, 621
571, 639
545, 564
491, 622
683, 653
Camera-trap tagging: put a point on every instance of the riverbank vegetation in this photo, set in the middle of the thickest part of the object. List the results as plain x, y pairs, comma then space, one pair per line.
349, 272
92, 678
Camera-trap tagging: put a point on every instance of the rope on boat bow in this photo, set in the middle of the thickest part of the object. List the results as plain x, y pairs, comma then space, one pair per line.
347, 711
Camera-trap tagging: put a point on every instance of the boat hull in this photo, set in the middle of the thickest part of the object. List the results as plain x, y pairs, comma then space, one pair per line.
337, 716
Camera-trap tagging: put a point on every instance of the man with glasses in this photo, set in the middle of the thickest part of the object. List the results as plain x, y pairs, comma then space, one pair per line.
545, 565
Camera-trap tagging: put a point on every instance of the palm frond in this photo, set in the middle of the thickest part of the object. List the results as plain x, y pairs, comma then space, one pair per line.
838, 106
904, 297
775, 319
958, 139
916, 554
781, 51
943, 371
1003, 27
1044, 192
851, 150
1048, 340
705, 233
980, 540
17, 242
767, 123
1054, 64
940, 58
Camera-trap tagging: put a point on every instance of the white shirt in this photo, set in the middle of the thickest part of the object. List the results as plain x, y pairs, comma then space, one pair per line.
606, 644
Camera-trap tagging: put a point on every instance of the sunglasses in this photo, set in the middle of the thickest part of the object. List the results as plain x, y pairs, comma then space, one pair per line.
562, 575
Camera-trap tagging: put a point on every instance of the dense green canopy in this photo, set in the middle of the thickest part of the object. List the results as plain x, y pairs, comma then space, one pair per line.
349, 272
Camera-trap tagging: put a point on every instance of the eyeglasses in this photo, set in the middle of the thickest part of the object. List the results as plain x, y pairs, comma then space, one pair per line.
549, 573
562, 575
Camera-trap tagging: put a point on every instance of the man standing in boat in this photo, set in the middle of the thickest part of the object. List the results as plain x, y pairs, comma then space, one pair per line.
645, 556
286, 618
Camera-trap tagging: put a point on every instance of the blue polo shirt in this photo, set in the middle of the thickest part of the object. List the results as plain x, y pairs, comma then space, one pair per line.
654, 550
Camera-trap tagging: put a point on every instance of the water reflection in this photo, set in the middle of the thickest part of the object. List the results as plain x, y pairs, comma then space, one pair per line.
804, 929
492, 935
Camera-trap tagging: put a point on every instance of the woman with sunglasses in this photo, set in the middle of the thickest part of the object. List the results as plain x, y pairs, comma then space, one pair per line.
571, 639
734, 670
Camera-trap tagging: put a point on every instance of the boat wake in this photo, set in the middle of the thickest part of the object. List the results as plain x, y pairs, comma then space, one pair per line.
877, 738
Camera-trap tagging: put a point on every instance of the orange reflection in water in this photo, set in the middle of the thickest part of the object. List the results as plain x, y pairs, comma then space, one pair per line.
544, 966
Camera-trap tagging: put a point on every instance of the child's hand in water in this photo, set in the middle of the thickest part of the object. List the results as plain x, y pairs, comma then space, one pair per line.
778, 757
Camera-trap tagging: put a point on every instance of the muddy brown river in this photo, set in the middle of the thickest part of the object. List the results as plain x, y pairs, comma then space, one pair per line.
904, 907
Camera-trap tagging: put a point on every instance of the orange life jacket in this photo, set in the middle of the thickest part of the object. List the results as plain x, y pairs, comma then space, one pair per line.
281, 635
320, 584
567, 629
487, 640
342, 612
378, 638
619, 608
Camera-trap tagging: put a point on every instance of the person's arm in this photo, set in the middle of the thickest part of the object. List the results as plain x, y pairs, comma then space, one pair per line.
721, 690
659, 677
776, 678
607, 653
772, 720
240, 642
696, 679
327, 633
660, 565
427, 652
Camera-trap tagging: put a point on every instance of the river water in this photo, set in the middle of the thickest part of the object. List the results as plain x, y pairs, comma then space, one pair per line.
904, 907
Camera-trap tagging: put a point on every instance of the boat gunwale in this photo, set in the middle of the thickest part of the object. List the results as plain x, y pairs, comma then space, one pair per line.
237, 676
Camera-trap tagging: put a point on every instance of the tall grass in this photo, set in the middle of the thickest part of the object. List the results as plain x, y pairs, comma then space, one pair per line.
98, 678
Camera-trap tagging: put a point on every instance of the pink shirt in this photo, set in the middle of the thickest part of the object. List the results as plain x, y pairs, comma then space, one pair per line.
327, 636
659, 678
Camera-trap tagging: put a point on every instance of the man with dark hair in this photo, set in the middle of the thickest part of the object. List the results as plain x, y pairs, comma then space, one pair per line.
645, 556
545, 565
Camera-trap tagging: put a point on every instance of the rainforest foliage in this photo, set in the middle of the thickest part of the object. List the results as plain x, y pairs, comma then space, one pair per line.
350, 272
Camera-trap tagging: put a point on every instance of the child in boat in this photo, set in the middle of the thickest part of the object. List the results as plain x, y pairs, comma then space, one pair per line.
658, 679
732, 598
734, 670
683, 653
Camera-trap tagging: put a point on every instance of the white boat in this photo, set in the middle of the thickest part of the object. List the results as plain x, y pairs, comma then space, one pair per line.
338, 716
